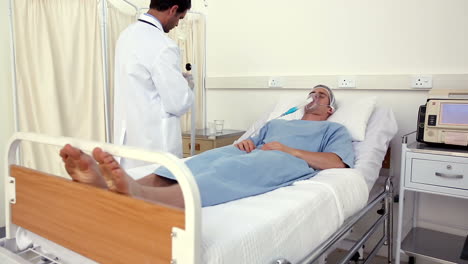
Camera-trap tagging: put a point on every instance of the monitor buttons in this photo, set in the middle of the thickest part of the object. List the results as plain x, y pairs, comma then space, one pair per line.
431, 120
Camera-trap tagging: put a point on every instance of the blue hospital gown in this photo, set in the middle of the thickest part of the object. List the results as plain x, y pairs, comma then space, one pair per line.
227, 173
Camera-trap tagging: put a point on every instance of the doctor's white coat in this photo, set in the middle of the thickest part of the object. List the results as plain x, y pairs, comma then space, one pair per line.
150, 93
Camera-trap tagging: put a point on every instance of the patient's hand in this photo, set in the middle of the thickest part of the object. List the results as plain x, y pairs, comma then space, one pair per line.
275, 145
246, 145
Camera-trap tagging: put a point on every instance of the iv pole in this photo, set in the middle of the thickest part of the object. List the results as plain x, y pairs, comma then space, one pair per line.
194, 70
13, 68
13, 77
203, 81
105, 69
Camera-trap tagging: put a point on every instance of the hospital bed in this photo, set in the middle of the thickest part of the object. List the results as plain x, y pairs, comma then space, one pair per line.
55, 220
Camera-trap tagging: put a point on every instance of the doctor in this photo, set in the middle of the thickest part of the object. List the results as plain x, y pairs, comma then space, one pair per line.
151, 92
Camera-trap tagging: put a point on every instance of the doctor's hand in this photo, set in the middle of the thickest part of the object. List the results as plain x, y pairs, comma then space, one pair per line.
189, 78
246, 145
275, 145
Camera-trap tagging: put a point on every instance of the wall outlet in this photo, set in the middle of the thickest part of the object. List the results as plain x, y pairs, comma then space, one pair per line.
421, 81
275, 82
347, 82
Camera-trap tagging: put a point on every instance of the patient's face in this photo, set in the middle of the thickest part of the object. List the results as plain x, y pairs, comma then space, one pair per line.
321, 102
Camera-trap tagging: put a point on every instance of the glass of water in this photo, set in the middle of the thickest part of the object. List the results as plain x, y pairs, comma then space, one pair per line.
219, 125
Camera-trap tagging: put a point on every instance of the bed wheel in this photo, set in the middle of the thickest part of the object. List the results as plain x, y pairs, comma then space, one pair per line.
356, 257
411, 260
396, 198
381, 211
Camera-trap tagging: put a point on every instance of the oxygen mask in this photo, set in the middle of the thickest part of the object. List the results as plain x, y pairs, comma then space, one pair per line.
314, 99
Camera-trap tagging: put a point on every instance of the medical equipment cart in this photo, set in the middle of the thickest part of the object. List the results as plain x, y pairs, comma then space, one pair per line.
439, 171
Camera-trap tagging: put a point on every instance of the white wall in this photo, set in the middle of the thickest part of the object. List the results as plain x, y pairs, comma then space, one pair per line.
250, 40
268, 37
6, 110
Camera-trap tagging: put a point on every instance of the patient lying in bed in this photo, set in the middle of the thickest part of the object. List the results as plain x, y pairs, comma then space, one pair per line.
282, 153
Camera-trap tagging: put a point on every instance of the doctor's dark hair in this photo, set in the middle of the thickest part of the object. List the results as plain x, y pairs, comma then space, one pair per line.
162, 5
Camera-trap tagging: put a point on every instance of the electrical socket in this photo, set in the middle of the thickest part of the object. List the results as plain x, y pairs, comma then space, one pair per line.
421, 81
275, 82
347, 82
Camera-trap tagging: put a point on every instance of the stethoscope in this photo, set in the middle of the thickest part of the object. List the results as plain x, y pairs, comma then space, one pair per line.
149, 23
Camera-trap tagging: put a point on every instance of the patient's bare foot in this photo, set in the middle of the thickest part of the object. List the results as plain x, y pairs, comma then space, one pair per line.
81, 167
117, 179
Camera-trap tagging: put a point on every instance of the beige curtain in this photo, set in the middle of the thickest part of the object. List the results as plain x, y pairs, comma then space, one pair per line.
117, 22
59, 74
190, 37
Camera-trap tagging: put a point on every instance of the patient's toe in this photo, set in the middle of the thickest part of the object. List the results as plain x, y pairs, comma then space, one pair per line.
119, 181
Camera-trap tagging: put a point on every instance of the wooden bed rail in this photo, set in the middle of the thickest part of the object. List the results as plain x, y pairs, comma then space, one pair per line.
99, 224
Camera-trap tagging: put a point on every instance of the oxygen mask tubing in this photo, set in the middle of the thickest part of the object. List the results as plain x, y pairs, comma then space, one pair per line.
309, 104
291, 110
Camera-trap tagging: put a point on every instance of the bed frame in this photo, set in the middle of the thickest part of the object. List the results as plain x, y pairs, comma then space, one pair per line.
90, 221
385, 222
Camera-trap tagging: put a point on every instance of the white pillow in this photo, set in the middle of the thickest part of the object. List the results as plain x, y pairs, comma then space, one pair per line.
354, 115
370, 153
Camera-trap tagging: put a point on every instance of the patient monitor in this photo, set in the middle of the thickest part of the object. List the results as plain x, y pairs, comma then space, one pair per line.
444, 118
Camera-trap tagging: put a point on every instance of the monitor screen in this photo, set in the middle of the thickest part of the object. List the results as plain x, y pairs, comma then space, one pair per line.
454, 114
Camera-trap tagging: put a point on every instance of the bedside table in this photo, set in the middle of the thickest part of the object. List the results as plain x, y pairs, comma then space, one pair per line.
439, 171
205, 141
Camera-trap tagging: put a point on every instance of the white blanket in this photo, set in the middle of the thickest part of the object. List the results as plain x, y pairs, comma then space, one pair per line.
286, 223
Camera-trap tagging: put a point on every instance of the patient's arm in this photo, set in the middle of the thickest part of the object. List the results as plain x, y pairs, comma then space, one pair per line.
316, 160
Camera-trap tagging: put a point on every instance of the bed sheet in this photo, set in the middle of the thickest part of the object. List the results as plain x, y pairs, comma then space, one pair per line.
285, 223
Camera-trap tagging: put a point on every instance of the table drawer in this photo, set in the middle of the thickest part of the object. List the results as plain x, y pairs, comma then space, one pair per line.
440, 173
201, 145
